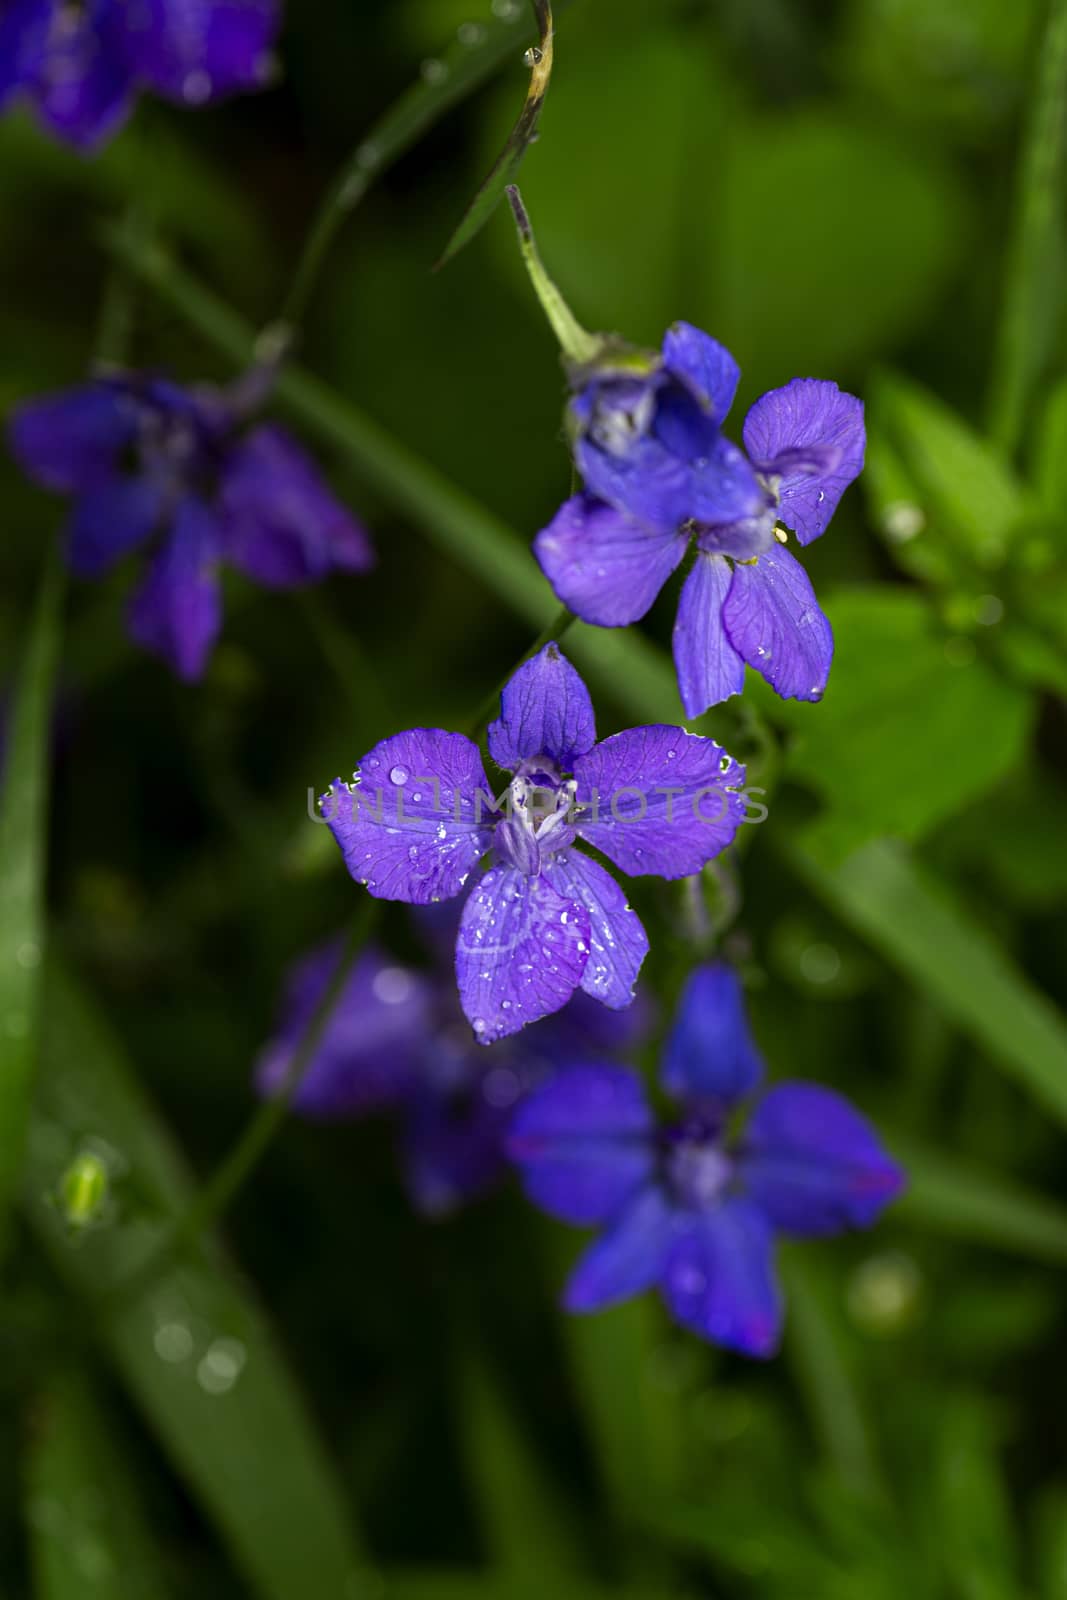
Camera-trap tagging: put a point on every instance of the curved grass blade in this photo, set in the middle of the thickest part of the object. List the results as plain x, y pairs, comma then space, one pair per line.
489, 196
913, 920
88, 1536
23, 838
194, 1350
971, 1203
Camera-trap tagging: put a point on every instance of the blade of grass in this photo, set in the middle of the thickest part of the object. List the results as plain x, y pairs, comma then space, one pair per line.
1032, 290
194, 1350
914, 922
971, 1203
539, 60
88, 1536
23, 843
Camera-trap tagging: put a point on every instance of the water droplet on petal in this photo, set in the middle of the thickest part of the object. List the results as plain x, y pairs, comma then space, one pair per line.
399, 775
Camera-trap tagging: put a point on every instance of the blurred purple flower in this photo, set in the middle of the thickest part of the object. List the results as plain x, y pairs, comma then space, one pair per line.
689, 1206
143, 457
659, 474
82, 65
544, 919
396, 1042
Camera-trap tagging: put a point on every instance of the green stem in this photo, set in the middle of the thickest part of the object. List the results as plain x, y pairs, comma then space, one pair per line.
260, 1131
1033, 281
554, 631
579, 346
478, 51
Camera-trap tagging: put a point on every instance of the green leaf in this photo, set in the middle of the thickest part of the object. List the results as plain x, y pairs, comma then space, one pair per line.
527, 1530
969, 497
522, 135
813, 1348
973, 1203
915, 923
971, 1504
23, 839
907, 733
192, 1347
863, 241
88, 1537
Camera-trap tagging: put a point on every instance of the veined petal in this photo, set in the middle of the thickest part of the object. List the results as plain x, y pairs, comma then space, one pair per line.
282, 524
520, 952
108, 522
628, 1257
710, 1056
648, 480
705, 366
618, 943
177, 611
814, 1164
723, 487
72, 441
720, 1280
773, 621
584, 1142
418, 820
808, 412
659, 800
545, 710
201, 49
709, 668
604, 564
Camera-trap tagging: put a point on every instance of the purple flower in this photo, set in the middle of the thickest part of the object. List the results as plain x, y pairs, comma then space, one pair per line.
659, 474
544, 919
396, 1042
145, 458
82, 65
689, 1206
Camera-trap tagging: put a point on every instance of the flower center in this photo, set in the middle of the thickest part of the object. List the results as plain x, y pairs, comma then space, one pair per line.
539, 805
698, 1168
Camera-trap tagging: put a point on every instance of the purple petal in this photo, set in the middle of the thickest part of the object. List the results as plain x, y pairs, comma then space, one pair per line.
83, 86
453, 1150
520, 952
710, 1056
723, 487
283, 526
618, 944
584, 1142
709, 668
197, 50
814, 1164
706, 367
807, 413
418, 820
628, 1257
605, 565
72, 441
773, 621
545, 710
659, 800
177, 611
24, 26
371, 1046
720, 1280
110, 521
650, 479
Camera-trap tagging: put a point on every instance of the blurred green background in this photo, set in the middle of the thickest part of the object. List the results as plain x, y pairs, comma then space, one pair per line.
391, 1408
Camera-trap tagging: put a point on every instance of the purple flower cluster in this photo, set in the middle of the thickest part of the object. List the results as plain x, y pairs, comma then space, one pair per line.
545, 918
660, 475
146, 460
688, 1205
396, 1042
82, 65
